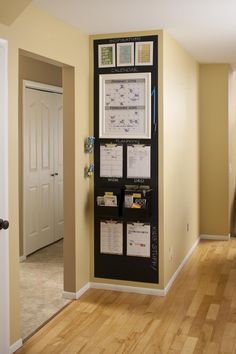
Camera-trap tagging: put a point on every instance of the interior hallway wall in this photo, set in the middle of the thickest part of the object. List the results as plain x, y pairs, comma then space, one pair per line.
33, 70
159, 33
180, 154
232, 151
37, 32
214, 153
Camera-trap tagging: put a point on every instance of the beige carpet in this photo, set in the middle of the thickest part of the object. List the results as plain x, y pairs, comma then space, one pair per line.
41, 286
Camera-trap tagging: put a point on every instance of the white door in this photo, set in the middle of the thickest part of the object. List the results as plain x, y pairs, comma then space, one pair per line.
58, 168
4, 247
41, 127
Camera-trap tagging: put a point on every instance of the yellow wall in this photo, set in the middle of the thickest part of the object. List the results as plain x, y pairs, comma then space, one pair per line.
180, 154
39, 33
10, 9
178, 180
214, 182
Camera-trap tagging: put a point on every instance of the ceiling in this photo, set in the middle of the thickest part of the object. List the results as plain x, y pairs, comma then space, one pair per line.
205, 28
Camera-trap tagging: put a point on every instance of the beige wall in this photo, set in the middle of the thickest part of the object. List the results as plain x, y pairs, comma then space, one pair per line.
214, 181
38, 71
10, 9
232, 151
180, 154
65, 44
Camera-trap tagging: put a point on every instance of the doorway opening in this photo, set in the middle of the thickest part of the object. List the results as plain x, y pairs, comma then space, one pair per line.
44, 239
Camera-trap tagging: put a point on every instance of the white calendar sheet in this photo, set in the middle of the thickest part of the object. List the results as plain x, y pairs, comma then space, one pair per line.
139, 161
138, 240
125, 106
111, 160
111, 237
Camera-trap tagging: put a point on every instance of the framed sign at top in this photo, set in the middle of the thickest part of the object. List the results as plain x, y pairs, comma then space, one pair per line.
106, 57
125, 106
144, 53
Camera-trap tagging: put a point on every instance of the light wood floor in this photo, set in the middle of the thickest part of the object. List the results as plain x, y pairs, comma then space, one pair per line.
197, 316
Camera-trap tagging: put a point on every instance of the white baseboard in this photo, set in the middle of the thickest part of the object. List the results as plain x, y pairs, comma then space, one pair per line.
171, 281
22, 258
132, 289
14, 347
127, 288
77, 295
215, 237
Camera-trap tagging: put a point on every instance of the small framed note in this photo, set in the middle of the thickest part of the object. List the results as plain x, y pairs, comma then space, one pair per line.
106, 55
125, 54
143, 53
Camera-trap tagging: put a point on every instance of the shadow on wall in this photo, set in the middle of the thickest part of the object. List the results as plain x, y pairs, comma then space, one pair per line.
233, 217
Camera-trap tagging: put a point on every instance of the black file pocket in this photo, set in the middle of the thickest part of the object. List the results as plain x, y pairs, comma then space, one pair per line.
137, 203
108, 202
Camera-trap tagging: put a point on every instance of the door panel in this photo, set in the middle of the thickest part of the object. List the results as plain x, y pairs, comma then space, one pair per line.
45, 136
43, 157
38, 183
58, 160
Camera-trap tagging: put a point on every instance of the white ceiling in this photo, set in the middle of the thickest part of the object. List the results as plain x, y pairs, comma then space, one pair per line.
206, 28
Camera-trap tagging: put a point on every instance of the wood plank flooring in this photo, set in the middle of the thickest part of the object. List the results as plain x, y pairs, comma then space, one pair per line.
197, 316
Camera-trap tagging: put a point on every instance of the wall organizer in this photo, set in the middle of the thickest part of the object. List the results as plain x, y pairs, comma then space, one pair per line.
126, 159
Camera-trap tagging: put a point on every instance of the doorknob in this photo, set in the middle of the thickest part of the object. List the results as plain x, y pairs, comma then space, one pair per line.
52, 175
4, 224
56, 174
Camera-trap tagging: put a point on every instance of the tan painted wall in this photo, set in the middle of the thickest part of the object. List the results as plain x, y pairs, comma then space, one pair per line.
214, 181
181, 160
55, 40
38, 71
232, 151
11, 9
178, 155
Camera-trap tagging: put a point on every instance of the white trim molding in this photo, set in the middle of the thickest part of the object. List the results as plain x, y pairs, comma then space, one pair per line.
128, 289
147, 291
215, 237
174, 276
4, 237
77, 295
43, 87
132, 289
17, 345
22, 259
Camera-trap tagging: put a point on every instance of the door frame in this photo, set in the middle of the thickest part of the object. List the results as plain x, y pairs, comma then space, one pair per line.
41, 87
4, 271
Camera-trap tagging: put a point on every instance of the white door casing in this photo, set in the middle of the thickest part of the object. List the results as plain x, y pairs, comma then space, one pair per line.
4, 239
41, 126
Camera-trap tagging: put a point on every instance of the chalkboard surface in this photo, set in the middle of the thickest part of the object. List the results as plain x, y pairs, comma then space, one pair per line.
120, 56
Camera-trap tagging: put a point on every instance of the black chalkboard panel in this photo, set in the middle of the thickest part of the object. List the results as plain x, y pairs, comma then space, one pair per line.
123, 267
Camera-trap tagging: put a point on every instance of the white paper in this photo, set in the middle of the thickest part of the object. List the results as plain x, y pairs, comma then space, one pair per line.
125, 106
111, 237
111, 161
138, 240
138, 161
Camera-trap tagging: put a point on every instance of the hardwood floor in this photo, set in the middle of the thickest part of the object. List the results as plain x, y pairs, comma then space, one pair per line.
197, 316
